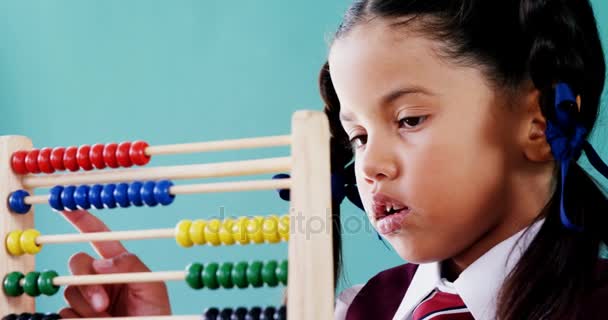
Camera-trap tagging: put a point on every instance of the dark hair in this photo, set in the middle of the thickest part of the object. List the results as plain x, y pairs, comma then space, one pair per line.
513, 42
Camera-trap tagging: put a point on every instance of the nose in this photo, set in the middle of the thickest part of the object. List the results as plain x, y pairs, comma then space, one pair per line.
378, 162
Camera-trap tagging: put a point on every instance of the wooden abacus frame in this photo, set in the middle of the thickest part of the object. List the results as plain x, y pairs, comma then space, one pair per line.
310, 277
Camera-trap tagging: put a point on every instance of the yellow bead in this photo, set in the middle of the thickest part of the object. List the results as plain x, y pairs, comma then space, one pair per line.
226, 232
197, 232
182, 233
212, 232
284, 227
271, 229
254, 230
28, 241
239, 230
13, 243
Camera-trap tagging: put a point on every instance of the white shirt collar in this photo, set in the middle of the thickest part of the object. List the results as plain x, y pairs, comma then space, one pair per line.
479, 284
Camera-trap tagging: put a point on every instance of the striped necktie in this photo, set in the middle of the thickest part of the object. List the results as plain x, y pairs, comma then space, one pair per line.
441, 305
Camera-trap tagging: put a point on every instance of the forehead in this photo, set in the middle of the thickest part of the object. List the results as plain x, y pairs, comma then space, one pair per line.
375, 58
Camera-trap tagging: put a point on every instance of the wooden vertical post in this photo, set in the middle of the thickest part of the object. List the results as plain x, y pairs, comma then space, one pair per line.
310, 290
9, 221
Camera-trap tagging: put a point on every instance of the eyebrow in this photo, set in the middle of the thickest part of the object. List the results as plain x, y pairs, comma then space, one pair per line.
390, 98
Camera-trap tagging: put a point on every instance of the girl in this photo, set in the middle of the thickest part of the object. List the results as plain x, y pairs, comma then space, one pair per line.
464, 119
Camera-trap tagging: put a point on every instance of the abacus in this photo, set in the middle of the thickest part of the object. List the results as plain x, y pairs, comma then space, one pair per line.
310, 269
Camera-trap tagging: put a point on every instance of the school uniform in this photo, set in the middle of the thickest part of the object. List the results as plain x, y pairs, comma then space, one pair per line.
396, 293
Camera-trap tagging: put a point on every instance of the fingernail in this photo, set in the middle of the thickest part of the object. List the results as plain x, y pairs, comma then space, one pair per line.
103, 263
97, 301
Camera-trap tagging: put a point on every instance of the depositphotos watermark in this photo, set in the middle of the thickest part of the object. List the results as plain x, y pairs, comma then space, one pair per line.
298, 223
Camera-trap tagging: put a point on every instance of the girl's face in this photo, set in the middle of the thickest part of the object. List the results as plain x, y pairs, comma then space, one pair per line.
432, 141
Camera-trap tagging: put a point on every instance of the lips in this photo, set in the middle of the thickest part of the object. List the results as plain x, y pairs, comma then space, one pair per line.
384, 206
389, 213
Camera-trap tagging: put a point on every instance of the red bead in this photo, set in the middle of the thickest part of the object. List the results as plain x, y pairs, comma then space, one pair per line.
96, 156
31, 161
18, 162
82, 157
57, 158
109, 155
122, 154
69, 158
44, 160
138, 153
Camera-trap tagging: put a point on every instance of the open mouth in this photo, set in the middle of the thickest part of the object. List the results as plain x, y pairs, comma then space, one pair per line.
391, 211
390, 219
388, 210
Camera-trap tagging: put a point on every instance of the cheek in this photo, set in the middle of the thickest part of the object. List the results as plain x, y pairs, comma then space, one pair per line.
364, 188
456, 176
456, 196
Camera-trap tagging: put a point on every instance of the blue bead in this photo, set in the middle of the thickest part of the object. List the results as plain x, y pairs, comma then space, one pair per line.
16, 202
147, 193
134, 193
37, 316
67, 198
254, 313
81, 197
107, 196
55, 198
268, 313
162, 194
281, 313
283, 193
211, 314
225, 314
95, 196
121, 195
239, 313
338, 189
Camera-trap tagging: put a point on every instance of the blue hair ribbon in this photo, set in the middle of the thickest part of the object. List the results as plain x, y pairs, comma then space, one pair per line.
567, 138
343, 185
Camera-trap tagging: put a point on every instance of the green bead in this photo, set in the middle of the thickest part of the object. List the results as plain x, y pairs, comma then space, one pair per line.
254, 274
239, 275
210, 276
11, 284
30, 285
45, 283
269, 273
224, 275
282, 272
194, 277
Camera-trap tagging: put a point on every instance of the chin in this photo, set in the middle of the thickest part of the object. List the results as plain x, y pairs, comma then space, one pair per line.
412, 253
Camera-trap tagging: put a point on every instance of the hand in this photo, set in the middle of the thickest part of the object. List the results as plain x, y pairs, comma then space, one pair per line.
137, 299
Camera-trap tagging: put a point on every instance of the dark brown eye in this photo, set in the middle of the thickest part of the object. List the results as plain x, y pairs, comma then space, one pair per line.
411, 122
358, 141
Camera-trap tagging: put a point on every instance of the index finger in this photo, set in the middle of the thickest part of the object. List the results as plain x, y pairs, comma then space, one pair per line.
85, 222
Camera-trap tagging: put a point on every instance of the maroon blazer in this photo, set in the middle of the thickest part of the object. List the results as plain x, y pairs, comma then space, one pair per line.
381, 296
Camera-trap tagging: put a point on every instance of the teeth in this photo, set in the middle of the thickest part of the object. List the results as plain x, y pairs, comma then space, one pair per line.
391, 207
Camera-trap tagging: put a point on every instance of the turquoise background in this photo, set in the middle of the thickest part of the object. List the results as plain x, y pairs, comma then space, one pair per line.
82, 72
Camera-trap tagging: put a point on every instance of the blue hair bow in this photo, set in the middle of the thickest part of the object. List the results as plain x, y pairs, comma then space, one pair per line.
342, 186
567, 138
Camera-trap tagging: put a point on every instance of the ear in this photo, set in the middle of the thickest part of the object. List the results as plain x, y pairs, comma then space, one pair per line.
535, 145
